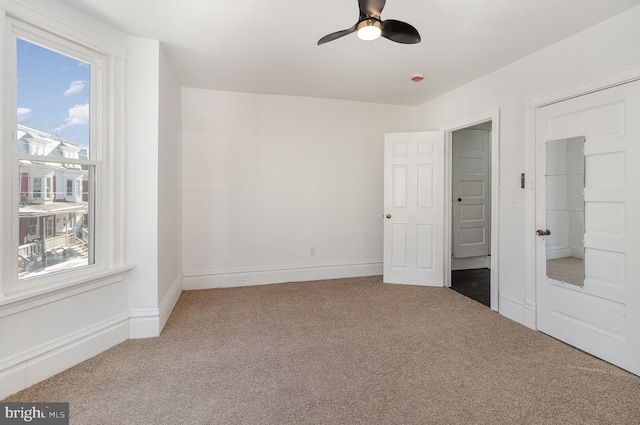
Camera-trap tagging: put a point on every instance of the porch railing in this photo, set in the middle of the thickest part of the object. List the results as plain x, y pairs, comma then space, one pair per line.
60, 241
30, 249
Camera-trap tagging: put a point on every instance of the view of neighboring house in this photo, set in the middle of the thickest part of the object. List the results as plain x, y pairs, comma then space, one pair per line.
54, 207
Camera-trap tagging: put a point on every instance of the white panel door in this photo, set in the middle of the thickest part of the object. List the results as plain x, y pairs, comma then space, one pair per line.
414, 208
471, 189
601, 316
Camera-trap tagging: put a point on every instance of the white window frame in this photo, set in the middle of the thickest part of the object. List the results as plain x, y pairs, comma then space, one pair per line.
49, 227
37, 188
107, 93
34, 226
48, 188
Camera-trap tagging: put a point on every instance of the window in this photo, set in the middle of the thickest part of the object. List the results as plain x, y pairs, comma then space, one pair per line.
32, 227
57, 139
62, 86
24, 187
49, 187
50, 232
54, 114
37, 187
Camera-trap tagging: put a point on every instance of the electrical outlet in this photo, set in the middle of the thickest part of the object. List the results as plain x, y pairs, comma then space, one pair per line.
312, 251
241, 278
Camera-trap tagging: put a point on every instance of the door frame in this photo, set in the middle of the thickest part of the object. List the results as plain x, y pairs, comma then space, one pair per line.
492, 115
602, 82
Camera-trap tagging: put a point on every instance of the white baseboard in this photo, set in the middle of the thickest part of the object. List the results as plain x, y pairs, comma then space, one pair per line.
148, 322
40, 362
144, 323
170, 300
577, 251
28, 368
530, 316
554, 252
513, 310
525, 314
268, 275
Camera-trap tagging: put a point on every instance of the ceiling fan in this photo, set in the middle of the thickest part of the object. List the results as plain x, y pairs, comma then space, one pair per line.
370, 26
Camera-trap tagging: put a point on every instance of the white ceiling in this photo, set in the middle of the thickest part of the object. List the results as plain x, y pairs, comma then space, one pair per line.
270, 46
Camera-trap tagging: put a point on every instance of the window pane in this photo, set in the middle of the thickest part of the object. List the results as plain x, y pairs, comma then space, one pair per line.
53, 103
54, 233
37, 187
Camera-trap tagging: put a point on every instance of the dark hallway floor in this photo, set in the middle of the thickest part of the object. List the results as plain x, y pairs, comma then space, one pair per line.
475, 284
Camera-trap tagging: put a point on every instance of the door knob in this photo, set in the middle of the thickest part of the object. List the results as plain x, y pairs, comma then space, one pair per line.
388, 215
459, 199
543, 232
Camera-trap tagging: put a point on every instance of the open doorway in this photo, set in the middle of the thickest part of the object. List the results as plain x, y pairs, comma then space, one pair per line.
471, 211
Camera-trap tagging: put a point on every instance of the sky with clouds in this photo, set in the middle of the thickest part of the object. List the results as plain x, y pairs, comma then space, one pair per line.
53, 93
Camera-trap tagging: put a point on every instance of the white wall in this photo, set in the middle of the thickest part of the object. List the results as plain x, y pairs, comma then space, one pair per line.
604, 48
169, 190
43, 333
153, 233
266, 178
141, 154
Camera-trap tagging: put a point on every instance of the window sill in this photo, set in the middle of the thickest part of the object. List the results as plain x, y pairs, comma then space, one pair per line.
23, 300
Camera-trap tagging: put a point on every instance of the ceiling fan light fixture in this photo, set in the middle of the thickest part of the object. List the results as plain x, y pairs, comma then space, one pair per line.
370, 26
369, 29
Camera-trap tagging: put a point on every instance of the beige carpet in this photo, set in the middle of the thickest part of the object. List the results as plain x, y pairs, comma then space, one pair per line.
346, 351
567, 269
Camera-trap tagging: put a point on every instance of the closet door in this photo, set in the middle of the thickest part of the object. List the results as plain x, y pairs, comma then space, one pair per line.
588, 226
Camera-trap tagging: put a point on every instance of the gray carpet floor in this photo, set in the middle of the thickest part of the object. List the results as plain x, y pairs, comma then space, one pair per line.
345, 351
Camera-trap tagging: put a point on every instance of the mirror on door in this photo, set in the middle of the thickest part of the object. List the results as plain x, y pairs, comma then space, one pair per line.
565, 210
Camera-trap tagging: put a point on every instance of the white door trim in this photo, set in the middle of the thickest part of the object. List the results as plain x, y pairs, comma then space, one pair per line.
602, 82
492, 115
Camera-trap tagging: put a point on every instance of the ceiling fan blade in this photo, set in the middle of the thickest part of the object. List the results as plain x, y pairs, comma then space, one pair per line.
371, 8
335, 35
400, 32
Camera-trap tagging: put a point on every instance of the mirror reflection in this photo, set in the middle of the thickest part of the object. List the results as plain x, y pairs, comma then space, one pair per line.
565, 210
